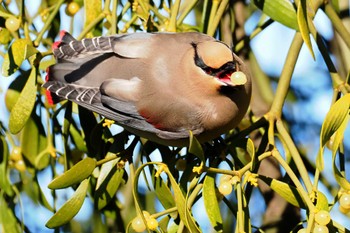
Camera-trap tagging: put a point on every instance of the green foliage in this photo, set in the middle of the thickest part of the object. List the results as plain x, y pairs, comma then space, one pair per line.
287, 191
211, 202
281, 11
80, 171
105, 166
23, 107
70, 208
334, 124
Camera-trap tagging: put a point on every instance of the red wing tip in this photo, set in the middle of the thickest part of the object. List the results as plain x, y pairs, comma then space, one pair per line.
150, 120
49, 97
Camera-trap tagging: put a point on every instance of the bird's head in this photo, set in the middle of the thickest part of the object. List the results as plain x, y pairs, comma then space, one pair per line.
218, 61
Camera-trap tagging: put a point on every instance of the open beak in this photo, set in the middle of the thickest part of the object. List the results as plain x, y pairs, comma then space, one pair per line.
237, 78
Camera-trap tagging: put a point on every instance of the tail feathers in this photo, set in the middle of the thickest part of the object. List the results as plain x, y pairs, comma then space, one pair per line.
65, 38
58, 91
64, 48
69, 48
51, 97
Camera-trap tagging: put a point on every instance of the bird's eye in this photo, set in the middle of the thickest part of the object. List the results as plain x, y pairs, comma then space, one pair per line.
225, 70
208, 70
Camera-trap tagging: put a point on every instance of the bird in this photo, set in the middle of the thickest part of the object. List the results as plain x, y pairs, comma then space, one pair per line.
159, 86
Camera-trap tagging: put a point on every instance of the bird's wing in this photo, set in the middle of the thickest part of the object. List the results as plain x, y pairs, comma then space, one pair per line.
123, 112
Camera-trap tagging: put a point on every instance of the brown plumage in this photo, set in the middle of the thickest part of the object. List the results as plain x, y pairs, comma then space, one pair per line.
158, 86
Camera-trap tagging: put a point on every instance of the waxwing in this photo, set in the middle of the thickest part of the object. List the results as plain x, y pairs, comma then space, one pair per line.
158, 86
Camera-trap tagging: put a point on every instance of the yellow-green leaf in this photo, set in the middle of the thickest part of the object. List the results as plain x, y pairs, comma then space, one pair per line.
184, 212
8, 220
173, 228
70, 208
303, 21
338, 138
34, 141
5, 183
334, 119
211, 204
76, 174
21, 111
108, 182
77, 138
93, 8
5, 36
335, 4
106, 168
14, 90
321, 202
20, 50
110, 187
319, 160
163, 223
243, 216
195, 147
288, 192
251, 152
281, 11
163, 193
339, 177
11, 98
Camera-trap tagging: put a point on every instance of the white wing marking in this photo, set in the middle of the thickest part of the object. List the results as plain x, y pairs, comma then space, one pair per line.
60, 48
68, 93
59, 89
71, 45
109, 41
94, 43
83, 42
92, 97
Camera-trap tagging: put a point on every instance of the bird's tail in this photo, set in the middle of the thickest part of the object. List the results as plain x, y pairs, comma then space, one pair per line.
65, 39
51, 97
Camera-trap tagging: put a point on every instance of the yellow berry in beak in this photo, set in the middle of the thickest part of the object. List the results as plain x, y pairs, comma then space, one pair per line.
238, 78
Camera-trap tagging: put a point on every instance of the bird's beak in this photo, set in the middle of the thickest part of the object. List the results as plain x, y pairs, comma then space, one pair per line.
237, 78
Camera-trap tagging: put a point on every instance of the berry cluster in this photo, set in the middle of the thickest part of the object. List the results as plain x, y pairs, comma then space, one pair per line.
139, 226
226, 182
344, 203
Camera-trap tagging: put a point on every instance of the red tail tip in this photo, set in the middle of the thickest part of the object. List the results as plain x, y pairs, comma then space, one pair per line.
62, 33
55, 45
